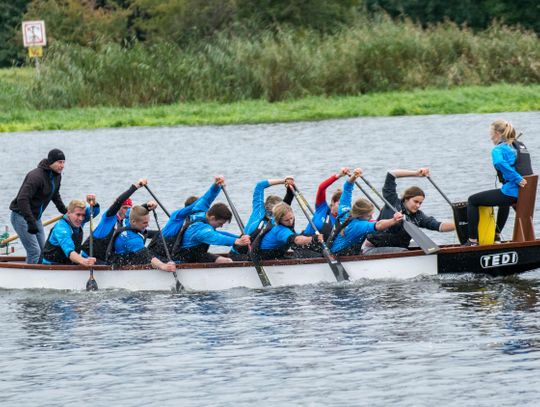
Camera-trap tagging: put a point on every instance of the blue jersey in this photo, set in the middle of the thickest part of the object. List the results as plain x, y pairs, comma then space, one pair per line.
62, 234
356, 231
258, 211
319, 217
178, 217
277, 237
129, 242
504, 158
202, 232
105, 226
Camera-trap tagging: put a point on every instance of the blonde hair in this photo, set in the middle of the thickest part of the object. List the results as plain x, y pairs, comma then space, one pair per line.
362, 208
280, 210
76, 203
505, 130
137, 213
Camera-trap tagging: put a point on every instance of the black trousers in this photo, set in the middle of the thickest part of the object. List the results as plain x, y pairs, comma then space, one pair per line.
493, 197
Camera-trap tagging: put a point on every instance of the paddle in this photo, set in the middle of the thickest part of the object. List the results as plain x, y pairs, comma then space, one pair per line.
46, 223
335, 265
169, 258
460, 219
425, 243
91, 284
368, 196
157, 200
305, 201
260, 270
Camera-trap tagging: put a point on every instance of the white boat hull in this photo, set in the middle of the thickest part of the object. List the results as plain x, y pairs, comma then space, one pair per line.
502, 259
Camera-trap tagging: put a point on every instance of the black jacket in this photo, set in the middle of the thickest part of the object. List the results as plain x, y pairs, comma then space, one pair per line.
396, 236
40, 186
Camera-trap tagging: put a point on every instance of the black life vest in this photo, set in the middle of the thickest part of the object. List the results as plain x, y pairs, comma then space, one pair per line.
338, 227
55, 254
253, 235
142, 256
326, 229
178, 252
523, 161
269, 254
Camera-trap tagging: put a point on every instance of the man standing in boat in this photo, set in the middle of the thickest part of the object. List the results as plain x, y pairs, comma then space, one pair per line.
65, 240
40, 186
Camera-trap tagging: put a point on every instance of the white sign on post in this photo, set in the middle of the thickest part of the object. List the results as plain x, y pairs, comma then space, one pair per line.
34, 33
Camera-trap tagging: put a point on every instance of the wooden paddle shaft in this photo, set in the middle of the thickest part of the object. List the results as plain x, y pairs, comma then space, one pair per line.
46, 223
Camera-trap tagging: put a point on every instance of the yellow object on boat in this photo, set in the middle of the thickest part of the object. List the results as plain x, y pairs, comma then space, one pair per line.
486, 225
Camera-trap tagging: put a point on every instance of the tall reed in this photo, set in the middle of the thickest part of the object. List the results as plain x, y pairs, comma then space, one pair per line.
371, 56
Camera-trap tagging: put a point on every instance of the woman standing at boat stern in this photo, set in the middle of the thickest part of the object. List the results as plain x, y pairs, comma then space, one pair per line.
511, 163
40, 186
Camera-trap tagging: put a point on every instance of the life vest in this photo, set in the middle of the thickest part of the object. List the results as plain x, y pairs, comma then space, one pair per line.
55, 254
523, 161
142, 256
178, 252
267, 254
253, 235
338, 228
157, 247
100, 245
327, 227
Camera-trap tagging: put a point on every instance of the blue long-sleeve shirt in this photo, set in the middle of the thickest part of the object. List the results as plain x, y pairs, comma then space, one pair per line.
62, 234
504, 158
319, 217
202, 232
258, 210
129, 242
356, 231
202, 204
277, 237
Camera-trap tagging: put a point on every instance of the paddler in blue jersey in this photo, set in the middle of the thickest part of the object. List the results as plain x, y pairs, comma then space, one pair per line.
279, 235
111, 220
261, 212
505, 157
173, 229
63, 245
127, 246
201, 233
354, 221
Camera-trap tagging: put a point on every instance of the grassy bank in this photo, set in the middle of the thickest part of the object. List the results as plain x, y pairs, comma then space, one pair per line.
16, 116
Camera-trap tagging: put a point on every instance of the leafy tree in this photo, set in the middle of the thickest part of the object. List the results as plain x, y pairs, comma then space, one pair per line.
11, 12
474, 13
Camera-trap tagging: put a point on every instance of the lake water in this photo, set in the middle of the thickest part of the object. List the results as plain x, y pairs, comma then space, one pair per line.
451, 341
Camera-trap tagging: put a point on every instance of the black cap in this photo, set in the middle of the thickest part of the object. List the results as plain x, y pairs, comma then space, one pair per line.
55, 155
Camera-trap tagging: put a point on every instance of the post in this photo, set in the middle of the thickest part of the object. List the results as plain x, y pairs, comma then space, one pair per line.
523, 226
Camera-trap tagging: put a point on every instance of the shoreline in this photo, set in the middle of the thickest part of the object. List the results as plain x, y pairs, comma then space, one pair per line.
459, 100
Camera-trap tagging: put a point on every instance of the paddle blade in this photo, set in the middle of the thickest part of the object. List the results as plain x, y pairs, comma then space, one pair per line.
425, 243
179, 287
335, 265
91, 284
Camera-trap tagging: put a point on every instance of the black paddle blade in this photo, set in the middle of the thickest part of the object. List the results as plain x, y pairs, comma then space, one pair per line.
179, 287
335, 265
91, 284
425, 243
262, 276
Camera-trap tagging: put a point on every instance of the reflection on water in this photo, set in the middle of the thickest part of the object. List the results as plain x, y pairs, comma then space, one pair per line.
453, 341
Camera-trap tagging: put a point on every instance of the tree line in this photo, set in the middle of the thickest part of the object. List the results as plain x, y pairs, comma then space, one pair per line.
95, 23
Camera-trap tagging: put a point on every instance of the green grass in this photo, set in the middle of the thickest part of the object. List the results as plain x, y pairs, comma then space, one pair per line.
475, 99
